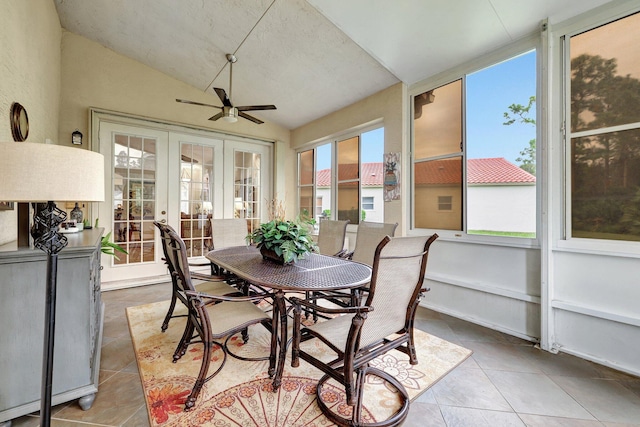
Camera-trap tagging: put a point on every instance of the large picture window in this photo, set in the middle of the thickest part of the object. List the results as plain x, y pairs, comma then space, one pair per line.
475, 152
604, 131
352, 182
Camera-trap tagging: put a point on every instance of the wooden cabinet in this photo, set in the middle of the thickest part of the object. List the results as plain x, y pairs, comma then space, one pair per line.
78, 333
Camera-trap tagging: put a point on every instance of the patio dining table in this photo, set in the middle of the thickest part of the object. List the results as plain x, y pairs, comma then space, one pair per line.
314, 272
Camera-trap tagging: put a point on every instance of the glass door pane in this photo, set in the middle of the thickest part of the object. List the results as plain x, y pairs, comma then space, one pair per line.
196, 197
246, 187
134, 189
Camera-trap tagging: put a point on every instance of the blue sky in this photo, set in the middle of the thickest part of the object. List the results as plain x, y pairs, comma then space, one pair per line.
489, 93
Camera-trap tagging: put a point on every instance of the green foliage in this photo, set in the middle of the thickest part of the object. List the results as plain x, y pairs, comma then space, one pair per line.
110, 248
525, 234
528, 158
289, 239
605, 167
521, 114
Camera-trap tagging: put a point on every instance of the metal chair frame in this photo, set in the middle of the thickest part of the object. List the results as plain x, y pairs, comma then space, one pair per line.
211, 318
353, 353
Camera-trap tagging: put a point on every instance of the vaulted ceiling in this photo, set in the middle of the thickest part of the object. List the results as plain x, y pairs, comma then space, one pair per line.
309, 58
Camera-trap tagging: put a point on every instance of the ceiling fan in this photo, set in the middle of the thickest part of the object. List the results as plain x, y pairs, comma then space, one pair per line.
230, 113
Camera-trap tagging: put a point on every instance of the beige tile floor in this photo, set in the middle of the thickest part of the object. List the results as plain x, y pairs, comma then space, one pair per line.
506, 382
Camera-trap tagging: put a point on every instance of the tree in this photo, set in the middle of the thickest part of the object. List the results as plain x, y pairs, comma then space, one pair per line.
605, 166
519, 113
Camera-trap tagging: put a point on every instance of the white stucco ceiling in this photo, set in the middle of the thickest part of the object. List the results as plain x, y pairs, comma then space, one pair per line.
309, 58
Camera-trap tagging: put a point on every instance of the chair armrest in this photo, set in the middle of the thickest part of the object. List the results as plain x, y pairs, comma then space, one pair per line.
341, 253
341, 310
220, 298
200, 264
345, 254
207, 277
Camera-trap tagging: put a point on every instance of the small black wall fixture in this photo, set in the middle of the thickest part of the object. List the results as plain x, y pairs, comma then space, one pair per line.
76, 137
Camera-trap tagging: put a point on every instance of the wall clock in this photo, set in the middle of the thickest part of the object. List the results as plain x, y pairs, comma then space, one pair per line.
19, 122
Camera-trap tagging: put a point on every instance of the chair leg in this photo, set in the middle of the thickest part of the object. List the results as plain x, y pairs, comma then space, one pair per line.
314, 300
181, 349
307, 296
295, 345
172, 306
202, 377
411, 348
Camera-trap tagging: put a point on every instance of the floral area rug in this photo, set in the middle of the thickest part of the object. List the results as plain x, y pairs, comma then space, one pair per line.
241, 393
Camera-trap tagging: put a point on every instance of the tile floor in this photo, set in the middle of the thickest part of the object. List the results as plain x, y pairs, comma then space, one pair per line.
506, 382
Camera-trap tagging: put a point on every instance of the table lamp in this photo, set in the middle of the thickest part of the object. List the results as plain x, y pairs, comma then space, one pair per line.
34, 172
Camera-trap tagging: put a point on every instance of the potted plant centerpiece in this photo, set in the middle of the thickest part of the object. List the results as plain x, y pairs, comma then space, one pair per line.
283, 241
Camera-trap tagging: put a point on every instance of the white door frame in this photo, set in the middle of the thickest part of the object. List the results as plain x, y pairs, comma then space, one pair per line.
100, 117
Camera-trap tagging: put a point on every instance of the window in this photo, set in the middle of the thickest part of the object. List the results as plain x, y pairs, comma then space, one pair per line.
367, 203
319, 206
604, 131
340, 181
474, 144
445, 203
306, 182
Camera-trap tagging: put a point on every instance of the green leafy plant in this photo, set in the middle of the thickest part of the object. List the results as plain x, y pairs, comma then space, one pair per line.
287, 239
108, 247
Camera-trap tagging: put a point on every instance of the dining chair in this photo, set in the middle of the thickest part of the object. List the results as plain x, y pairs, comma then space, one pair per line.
331, 236
225, 232
228, 232
211, 318
359, 334
368, 236
211, 284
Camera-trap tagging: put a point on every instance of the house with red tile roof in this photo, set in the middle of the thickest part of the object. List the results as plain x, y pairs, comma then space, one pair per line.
500, 195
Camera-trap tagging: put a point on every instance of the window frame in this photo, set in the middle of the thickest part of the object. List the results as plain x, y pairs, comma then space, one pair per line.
333, 140
372, 203
527, 44
565, 240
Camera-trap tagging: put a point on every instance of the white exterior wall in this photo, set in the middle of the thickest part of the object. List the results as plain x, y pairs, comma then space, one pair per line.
375, 215
502, 208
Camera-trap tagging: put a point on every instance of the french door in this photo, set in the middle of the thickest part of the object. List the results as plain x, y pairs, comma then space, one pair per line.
179, 178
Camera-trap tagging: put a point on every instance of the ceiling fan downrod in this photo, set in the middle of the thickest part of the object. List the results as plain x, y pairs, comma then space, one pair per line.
232, 59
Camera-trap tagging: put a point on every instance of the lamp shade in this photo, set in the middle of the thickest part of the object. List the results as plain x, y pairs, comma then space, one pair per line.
32, 172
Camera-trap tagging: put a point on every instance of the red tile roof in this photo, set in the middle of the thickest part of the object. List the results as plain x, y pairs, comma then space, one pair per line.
447, 171
496, 171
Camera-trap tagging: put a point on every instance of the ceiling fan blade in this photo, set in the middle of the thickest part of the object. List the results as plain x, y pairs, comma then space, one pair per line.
216, 117
185, 101
223, 97
248, 117
256, 107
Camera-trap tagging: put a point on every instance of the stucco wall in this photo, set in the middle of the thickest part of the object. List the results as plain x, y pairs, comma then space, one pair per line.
94, 76
29, 74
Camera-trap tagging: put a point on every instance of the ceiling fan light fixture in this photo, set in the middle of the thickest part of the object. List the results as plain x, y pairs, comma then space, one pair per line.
230, 114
